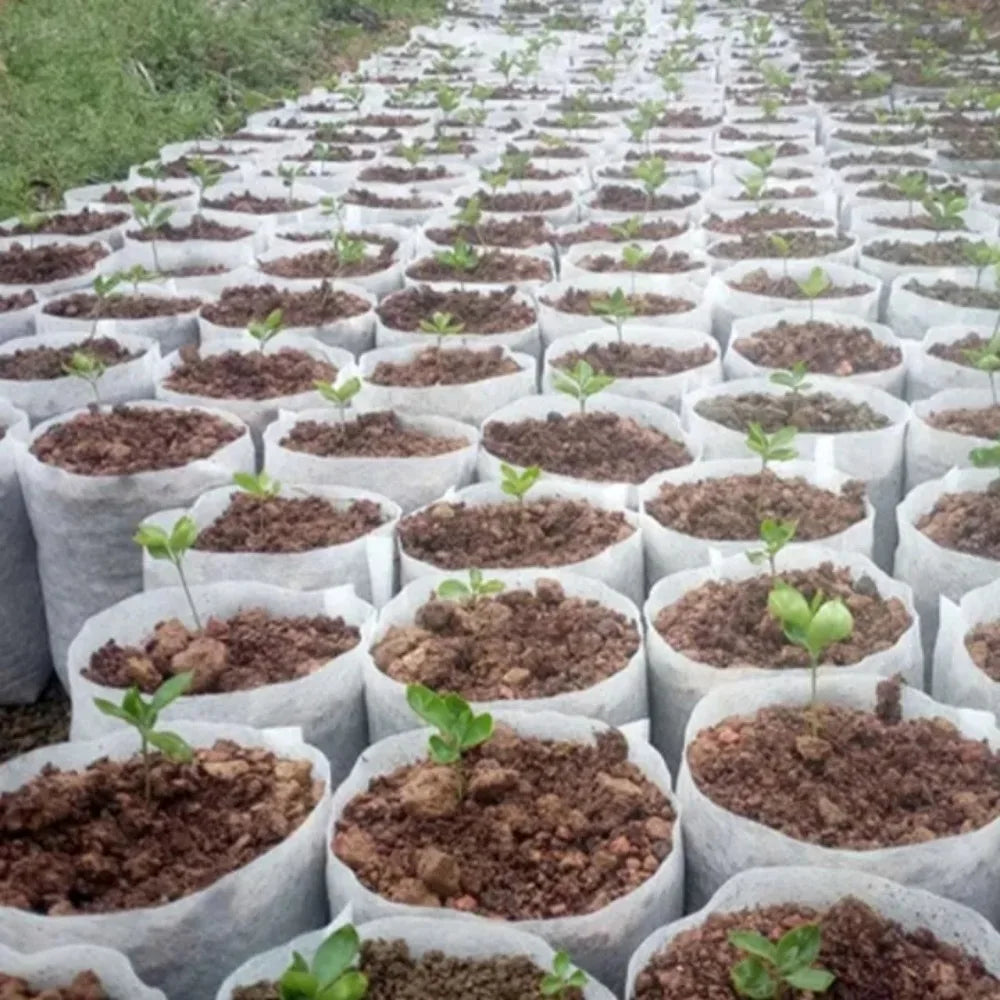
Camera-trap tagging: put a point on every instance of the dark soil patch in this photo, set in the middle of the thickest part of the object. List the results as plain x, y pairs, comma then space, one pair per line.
955, 352
437, 366
35, 363
513, 234
918, 220
362, 196
22, 300
520, 644
966, 296
371, 435
85, 986
492, 267
522, 202
533, 812
81, 223
197, 228
26, 727
660, 261
809, 412
351, 136
127, 440
983, 421
241, 305
377, 120
983, 644
478, 312
759, 282
334, 154
764, 220
325, 263
802, 243
602, 232
251, 204
181, 167
825, 348
967, 522
780, 193
388, 174
632, 360
882, 137
84, 305
946, 253
147, 193
53, 262
580, 302
88, 842
623, 198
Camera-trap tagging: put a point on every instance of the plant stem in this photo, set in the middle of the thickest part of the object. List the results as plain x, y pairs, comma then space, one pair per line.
187, 593
813, 676
156, 256
145, 765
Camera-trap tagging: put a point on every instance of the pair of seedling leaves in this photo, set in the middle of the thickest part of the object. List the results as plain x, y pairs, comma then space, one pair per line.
772, 969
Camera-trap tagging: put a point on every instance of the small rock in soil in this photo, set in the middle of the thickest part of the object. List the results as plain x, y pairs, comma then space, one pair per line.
52, 262
243, 304
478, 312
437, 366
628, 359
370, 435
35, 363
824, 348
967, 522
808, 412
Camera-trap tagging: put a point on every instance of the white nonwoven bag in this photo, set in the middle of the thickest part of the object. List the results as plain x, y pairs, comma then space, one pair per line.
677, 682
956, 679
927, 374
911, 314
574, 265
365, 563
56, 967
25, 664
598, 941
720, 844
616, 700
84, 525
276, 896
821, 888
18, 322
410, 482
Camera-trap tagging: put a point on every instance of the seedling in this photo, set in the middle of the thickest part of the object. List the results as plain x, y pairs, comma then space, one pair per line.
776, 971
783, 248
505, 64
762, 158
613, 308
459, 590
171, 546
32, 222
515, 482
441, 325
289, 174
774, 535
495, 180
448, 99
461, 258
104, 285
945, 210
459, 729
330, 206
652, 171
604, 74
614, 47
135, 276
633, 257
987, 359
341, 396
987, 457
981, 256
88, 367
154, 172
814, 286
776, 447
331, 976
814, 625
206, 174
261, 484
629, 229
353, 94
793, 378
565, 976
572, 121
581, 382
143, 715
151, 218
912, 186
348, 251
471, 214
528, 63
412, 153
515, 164
265, 330
754, 185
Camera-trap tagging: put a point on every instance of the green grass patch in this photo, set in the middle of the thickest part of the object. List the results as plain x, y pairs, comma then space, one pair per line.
89, 87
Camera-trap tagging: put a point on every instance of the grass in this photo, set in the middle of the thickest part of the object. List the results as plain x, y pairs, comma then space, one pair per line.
89, 87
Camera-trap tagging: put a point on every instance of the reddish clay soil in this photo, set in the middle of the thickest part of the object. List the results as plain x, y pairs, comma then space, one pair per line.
121, 196
580, 302
326, 263
623, 198
251, 204
370, 435
53, 262
947, 253
492, 267
85, 986
802, 243
362, 196
36, 363
514, 234
966, 296
632, 360
602, 232
765, 220
825, 348
180, 169
966, 522
981, 422
808, 412
660, 261
983, 644
197, 228
957, 351
387, 174
81, 223
478, 312
243, 304
439, 366
84, 305
25, 727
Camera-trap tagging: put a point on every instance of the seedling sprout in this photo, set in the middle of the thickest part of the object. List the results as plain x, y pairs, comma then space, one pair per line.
774, 535
987, 457
783, 248
206, 174
442, 325
793, 378
461, 258
987, 360
88, 367
459, 590
289, 174
151, 218
581, 382
341, 396
332, 975
777, 970
633, 257
104, 285
158, 544
516, 482
813, 287
912, 186
614, 308
458, 728
564, 977
265, 330
776, 447
261, 484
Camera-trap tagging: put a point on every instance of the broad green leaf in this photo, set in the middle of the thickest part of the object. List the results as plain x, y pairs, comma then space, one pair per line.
154, 540
172, 745
752, 980
561, 964
492, 587
787, 605
442, 752
813, 980
428, 705
183, 535
170, 690
335, 955
453, 590
478, 731
133, 704
831, 623
115, 711
297, 984
753, 944
798, 948
352, 985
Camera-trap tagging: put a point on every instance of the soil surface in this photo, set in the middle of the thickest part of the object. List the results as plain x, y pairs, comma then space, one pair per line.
80, 223
181, 168
946, 253
879, 159
287, 524
599, 446
732, 508
602, 232
522, 202
632, 360
155, 195
248, 650
126, 440
966, 296
983, 644
955, 351
966, 522
859, 946
825, 348
764, 220
759, 282
802, 243
492, 267
439, 366
362, 196
515, 234
25, 727
726, 623
52, 262
983, 421
326, 263
385, 173
808, 412
243, 304
247, 374
35, 363
85, 986
88, 842
370, 435
544, 829
84, 305
660, 261
549, 532
251, 204
624, 198
197, 228
580, 302
479, 312
519, 644
869, 780
22, 300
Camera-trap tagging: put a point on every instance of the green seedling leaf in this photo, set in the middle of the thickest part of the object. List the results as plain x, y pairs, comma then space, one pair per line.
265, 330
172, 547
260, 485
332, 975
441, 325
793, 378
457, 590
458, 728
581, 382
461, 257
770, 969
751, 979
564, 977
816, 284
987, 457
776, 447
516, 483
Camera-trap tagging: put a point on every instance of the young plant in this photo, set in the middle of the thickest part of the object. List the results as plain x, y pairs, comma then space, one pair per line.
945, 210
458, 728
171, 546
341, 396
143, 715
614, 308
776, 447
104, 285
154, 172
987, 360
206, 174
135, 276
347, 250
495, 180
412, 153
652, 171
330, 206
87, 367
565, 976
783, 248
912, 186
774, 535
987, 457
261, 485
516, 483
777, 971
633, 257
265, 330
459, 590
981, 256
505, 64
762, 158
448, 100
813, 287
332, 974
289, 174
151, 218
793, 378
32, 222
581, 382
461, 258
441, 325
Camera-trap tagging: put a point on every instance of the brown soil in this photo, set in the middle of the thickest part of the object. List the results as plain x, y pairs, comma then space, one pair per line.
287, 524
802, 243
247, 375
386, 245
389, 121
198, 228
241, 305
955, 351
88, 842
351, 136
548, 532
254, 205
84, 305
632, 360
11, 303
882, 138
492, 267
388, 174
660, 261
514, 234
623, 198
759, 282
825, 348
983, 644
147, 193
809, 412
780, 193
36, 363
945, 253
861, 948
916, 221
335, 154
195, 271
25, 727
437, 366
359, 196
544, 829
522, 202
371, 435
781, 151
966, 296
983, 421
21, 266
127, 440
597, 446
325, 264
579, 302
181, 167
879, 159
967, 522
394, 974
726, 623
764, 220
733, 507
85, 986
870, 780
249, 650
478, 312
80, 223
601, 232
887, 191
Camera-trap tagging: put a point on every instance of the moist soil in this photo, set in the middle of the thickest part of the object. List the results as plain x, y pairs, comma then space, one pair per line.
181, 168
983, 644
126, 440
25, 727
544, 829
478, 312
519, 644
334, 154
492, 267
389, 121
84, 305
87, 841
351, 136
325, 264
946, 253
21, 300
802, 243
362, 196
916, 221
808, 412
195, 271
780, 193
394, 974
887, 191
53, 262
248, 650
287, 524
867, 781
387, 246
764, 220
601, 232
147, 193
660, 261
243, 304
869, 955
966, 522
623, 198
513, 234
388, 174
437, 366
731, 508
825, 348
580, 302
85, 986
631, 360
664, 152
600, 446
550, 532
37, 363
759, 282
247, 374
81, 223
197, 228
966, 296
522, 202
955, 352
726, 623
983, 422
370, 435
251, 204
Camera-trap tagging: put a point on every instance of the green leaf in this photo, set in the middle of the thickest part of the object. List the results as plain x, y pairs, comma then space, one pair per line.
550, 985
753, 944
478, 731
297, 984
442, 752
453, 590
154, 540
831, 623
787, 605
172, 746
170, 690
183, 534
490, 587
798, 948
133, 704
352, 985
428, 705
561, 964
751, 979
115, 711
813, 980
335, 955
